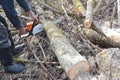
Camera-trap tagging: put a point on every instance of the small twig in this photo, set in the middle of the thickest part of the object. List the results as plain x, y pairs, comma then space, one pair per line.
29, 46
97, 7
28, 61
47, 6
43, 39
110, 76
70, 22
113, 14
86, 40
106, 1
39, 61
23, 76
64, 10
10, 77
107, 6
42, 65
66, 13
41, 49
24, 17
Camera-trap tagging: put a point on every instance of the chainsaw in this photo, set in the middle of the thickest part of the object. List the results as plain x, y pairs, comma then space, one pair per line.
35, 27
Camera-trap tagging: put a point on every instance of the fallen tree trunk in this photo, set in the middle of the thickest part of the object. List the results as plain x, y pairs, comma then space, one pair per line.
109, 64
80, 9
106, 31
71, 61
97, 39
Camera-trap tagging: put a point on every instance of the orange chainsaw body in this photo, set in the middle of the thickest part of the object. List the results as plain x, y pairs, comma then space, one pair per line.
29, 26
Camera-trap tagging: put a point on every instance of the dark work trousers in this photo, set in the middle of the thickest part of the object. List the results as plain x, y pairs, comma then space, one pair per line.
5, 46
2, 20
6, 56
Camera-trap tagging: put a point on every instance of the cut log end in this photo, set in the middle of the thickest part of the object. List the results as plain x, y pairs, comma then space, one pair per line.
79, 67
87, 23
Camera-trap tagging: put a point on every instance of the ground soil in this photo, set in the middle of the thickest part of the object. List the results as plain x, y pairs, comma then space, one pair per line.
35, 70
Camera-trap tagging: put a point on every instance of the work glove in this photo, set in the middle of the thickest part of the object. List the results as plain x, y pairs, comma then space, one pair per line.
22, 30
32, 14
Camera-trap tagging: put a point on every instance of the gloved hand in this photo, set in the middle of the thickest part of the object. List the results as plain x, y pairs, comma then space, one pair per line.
22, 30
32, 14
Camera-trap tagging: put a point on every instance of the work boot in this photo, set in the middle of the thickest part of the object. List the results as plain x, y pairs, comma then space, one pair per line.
14, 68
6, 61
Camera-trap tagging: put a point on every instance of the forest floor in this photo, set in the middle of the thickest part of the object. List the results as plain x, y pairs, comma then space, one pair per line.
42, 64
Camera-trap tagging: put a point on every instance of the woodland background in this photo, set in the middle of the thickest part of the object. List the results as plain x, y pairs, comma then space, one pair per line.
84, 45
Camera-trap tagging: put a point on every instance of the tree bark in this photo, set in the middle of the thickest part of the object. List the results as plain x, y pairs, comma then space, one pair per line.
97, 39
89, 14
109, 64
106, 31
79, 8
70, 60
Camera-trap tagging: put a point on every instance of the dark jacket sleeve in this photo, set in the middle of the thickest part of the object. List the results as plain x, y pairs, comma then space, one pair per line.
24, 5
8, 6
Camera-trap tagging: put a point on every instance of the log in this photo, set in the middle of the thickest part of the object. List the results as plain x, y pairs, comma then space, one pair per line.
71, 61
107, 32
109, 64
97, 39
89, 14
82, 10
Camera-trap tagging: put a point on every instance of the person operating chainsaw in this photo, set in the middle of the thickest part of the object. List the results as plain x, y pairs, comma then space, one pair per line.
5, 43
